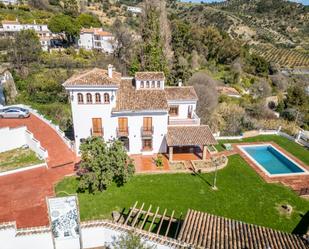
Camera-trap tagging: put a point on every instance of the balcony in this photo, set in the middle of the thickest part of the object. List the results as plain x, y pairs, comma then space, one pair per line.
194, 120
99, 132
122, 132
146, 131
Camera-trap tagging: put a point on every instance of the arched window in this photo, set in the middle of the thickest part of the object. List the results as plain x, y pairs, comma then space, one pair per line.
142, 84
97, 98
80, 98
147, 84
106, 98
153, 84
158, 84
89, 97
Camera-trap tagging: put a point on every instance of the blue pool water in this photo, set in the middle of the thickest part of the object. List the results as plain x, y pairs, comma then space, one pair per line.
273, 161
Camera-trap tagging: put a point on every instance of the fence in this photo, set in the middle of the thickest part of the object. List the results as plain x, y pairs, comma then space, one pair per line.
67, 141
302, 137
13, 138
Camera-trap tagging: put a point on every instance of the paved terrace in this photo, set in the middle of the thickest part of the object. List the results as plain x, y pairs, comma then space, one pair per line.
23, 194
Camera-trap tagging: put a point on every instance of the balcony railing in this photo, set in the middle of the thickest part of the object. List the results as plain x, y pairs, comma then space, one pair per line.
194, 120
123, 132
146, 131
97, 133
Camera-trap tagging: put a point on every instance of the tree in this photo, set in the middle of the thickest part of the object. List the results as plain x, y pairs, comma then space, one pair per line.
63, 23
71, 7
280, 81
205, 87
103, 163
26, 47
129, 241
85, 20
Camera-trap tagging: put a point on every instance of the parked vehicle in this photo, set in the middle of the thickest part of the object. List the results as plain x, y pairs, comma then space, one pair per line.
14, 112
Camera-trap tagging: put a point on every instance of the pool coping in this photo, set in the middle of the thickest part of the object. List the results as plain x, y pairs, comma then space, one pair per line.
281, 151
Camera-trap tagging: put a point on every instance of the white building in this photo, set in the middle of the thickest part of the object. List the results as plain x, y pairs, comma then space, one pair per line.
142, 112
9, 2
45, 35
135, 10
96, 38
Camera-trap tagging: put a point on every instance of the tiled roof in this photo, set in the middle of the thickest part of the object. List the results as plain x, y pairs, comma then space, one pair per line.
181, 93
204, 230
149, 76
227, 90
94, 77
190, 135
96, 31
130, 99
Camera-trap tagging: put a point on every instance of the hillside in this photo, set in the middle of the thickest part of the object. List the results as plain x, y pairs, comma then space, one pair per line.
280, 27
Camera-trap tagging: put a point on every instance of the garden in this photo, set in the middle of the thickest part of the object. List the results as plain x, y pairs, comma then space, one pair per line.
18, 158
241, 195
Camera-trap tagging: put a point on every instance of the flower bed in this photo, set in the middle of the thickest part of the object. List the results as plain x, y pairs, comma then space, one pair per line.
210, 164
177, 166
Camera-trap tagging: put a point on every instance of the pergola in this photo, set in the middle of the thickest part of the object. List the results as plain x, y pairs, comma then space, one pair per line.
180, 136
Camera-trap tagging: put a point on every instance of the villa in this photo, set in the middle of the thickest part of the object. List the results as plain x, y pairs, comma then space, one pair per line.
147, 116
96, 38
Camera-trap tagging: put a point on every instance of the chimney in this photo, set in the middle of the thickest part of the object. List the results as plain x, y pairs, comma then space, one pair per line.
180, 82
110, 71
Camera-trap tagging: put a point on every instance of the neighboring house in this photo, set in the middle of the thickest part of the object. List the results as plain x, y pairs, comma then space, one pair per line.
6, 82
96, 38
9, 28
135, 10
9, 2
142, 112
228, 91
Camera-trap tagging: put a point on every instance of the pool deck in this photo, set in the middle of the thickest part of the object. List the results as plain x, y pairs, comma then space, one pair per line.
296, 182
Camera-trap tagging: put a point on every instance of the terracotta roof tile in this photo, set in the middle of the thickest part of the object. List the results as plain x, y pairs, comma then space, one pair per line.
233, 234
227, 90
190, 135
149, 76
96, 31
93, 77
181, 93
129, 99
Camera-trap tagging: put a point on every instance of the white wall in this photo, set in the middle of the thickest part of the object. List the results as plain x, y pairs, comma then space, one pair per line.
138, 84
94, 236
13, 138
83, 114
86, 41
183, 108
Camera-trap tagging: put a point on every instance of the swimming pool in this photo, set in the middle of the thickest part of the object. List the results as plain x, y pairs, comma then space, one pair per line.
271, 161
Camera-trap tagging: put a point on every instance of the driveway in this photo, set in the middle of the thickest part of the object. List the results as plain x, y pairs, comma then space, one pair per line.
23, 195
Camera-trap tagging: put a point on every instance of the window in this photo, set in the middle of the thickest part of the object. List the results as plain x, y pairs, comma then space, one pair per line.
158, 84
153, 84
123, 124
142, 84
97, 98
147, 84
173, 111
89, 98
147, 144
80, 98
147, 123
106, 98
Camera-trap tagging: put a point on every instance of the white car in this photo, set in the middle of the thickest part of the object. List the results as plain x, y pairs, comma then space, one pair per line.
14, 112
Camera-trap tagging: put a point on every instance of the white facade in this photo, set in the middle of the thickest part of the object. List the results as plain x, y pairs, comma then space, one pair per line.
96, 39
87, 113
135, 10
9, 2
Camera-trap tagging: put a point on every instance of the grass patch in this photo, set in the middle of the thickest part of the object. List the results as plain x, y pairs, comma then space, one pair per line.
295, 149
242, 195
18, 158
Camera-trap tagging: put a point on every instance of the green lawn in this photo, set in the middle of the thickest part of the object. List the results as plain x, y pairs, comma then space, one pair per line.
242, 195
295, 149
18, 158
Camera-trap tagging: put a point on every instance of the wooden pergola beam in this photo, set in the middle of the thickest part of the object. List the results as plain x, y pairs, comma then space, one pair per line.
155, 216
137, 215
161, 222
145, 218
152, 214
169, 224
126, 222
